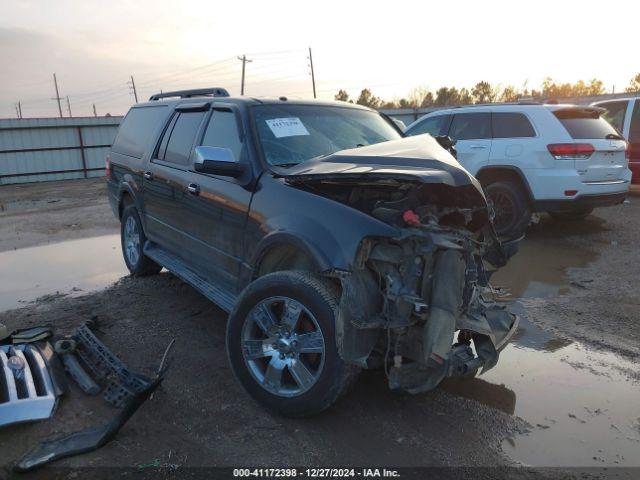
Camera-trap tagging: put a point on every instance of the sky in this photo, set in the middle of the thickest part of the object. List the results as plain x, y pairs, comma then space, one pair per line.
94, 47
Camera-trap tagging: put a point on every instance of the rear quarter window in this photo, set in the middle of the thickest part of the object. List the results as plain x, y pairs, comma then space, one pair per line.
511, 125
136, 130
583, 124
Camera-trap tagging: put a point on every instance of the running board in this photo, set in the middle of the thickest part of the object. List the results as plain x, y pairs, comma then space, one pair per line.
224, 299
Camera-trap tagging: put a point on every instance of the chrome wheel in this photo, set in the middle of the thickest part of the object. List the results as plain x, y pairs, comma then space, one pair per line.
283, 346
132, 241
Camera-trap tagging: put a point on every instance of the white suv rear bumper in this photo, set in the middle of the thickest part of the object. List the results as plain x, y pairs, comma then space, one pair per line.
557, 190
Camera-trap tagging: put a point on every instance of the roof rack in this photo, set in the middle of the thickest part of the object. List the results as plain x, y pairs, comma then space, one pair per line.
519, 102
198, 92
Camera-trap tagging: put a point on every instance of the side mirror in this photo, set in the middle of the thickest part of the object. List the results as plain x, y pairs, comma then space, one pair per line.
448, 144
217, 161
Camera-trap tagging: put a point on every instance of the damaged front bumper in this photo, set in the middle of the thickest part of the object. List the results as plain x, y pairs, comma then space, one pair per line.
415, 306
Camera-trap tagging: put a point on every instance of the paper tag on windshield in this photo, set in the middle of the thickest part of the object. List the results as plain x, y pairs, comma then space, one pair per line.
287, 127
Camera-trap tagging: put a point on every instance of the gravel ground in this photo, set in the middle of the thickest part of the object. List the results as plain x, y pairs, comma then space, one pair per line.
202, 417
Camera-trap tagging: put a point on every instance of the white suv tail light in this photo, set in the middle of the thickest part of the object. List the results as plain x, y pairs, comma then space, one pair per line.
571, 151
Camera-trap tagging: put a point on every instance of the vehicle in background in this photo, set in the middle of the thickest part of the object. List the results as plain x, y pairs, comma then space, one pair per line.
399, 123
561, 159
624, 115
335, 242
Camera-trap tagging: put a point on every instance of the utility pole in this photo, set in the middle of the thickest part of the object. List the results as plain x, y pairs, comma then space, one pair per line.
69, 107
313, 77
19, 109
244, 61
95, 114
57, 97
133, 87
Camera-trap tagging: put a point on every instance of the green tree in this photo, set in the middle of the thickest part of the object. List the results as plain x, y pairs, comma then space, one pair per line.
342, 96
427, 101
465, 98
447, 96
634, 84
509, 94
483, 92
595, 87
367, 99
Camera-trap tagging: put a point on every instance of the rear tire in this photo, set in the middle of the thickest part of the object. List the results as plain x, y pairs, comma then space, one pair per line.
577, 214
132, 240
512, 212
282, 347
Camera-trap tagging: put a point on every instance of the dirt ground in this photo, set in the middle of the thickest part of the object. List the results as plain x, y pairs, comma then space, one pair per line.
202, 417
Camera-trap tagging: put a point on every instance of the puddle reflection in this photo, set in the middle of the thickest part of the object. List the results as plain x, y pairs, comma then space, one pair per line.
74, 266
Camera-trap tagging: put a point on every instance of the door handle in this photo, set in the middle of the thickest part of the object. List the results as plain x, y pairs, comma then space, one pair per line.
479, 147
193, 189
148, 175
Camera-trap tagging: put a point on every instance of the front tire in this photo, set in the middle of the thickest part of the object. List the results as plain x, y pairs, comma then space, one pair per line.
512, 212
282, 347
132, 240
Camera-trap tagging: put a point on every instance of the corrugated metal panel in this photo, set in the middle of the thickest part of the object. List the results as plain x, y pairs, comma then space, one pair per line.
45, 145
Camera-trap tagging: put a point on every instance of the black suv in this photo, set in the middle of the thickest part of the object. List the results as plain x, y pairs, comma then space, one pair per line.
335, 243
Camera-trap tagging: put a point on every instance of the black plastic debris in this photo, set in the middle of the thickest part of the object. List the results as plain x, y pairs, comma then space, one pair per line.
93, 438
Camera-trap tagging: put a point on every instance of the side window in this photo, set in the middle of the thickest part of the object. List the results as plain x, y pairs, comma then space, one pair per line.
177, 141
222, 131
614, 113
435, 125
634, 130
136, 130
511, 125
468, 126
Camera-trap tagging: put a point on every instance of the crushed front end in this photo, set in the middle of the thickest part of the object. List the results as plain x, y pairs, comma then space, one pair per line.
415, 304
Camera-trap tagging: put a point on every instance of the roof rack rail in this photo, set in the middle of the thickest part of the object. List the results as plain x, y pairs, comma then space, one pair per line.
198, 92
489, 104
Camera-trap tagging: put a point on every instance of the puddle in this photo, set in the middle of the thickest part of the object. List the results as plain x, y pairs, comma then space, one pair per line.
74, 267
583, 409
539, 268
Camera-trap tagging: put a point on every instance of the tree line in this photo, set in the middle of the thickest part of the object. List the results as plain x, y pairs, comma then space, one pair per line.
483, 92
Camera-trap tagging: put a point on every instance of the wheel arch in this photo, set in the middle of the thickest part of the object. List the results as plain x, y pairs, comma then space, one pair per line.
285, 251
497, 173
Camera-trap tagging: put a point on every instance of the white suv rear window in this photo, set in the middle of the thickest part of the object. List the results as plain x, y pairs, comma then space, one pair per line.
584, 124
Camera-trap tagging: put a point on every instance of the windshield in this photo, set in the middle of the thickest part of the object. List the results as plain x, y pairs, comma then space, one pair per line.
292, 134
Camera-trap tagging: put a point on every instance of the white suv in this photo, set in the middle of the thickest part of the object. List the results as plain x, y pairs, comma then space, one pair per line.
561, 159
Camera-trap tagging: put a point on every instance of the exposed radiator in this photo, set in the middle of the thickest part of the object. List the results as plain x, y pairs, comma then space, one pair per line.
26, 390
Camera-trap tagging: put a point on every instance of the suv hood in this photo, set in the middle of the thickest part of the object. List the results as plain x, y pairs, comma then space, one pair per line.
412, 159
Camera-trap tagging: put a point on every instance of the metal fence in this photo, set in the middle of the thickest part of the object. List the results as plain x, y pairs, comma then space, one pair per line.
42, 149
